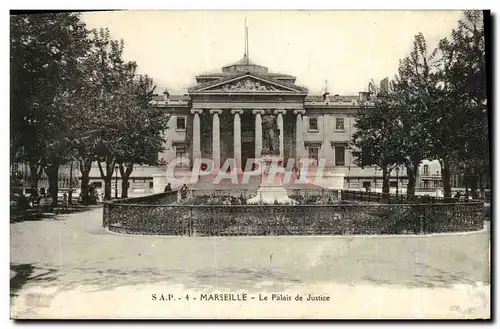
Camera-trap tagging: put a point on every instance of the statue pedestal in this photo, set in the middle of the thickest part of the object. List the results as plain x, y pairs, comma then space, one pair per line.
271, 189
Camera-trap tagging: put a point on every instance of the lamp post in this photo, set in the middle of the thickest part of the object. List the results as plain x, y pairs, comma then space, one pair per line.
116, 182
397, 182
70, 193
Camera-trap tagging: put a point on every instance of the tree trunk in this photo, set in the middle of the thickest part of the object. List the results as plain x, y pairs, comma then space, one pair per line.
466, 180
125, 171
412, 171
70, 192
473, 184
52, 172
410, 188
445, 176
35, 172
481, 186
125, 186
107, 177
386, 175
107, 189
85, 166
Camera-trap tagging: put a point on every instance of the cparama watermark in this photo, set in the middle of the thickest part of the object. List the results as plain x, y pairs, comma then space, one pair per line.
292, 171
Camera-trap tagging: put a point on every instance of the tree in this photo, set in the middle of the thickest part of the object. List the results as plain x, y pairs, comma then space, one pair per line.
126, 129
113, 76
143, 136
445, 117
44, 51
374, 138
413, 98
469, 81
84, 108
460, 132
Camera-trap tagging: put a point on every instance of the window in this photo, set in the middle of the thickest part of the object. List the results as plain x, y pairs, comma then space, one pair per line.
151, 185
367, 185
181, 155
339, 124
313, 123
393, 184
339, 155
97, 184
365, 157
426, 170
313, 154
181, 123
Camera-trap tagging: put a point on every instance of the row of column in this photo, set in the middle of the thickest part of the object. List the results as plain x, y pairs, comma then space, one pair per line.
237, 134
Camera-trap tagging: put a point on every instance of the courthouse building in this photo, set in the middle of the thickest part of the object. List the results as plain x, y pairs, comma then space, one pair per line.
220, 117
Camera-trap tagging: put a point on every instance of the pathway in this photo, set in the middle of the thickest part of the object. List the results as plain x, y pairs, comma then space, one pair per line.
69, 267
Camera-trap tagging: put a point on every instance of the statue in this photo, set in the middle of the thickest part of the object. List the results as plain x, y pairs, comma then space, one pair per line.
271, 189
271, 132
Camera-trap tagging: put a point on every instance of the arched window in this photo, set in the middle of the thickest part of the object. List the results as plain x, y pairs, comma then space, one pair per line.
426, 170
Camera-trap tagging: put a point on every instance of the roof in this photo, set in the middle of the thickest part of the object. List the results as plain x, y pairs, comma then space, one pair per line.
335, 98
175, 97
244, 61
349, 97
264, 76
308, 99
218, 75
244, 65
172, 98
314, 98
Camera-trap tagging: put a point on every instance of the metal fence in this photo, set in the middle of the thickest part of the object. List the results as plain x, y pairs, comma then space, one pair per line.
387, 198
141, 217
249, 193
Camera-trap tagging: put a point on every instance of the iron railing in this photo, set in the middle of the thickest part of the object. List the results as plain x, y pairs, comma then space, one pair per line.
142, 217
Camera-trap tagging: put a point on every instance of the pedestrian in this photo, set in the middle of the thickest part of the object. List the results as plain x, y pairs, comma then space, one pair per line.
34, 197
93, 194
184, 190
49, 200
168, 188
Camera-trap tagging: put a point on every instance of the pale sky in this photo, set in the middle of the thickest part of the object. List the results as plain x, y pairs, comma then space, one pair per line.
348, 48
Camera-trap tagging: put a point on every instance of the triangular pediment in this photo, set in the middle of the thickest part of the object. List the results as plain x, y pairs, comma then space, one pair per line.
247, 83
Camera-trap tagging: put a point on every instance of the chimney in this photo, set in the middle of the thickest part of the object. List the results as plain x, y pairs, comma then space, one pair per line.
326, 93
166, 94
384, 86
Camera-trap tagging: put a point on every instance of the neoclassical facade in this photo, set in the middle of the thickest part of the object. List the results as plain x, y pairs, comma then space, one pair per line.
221, 117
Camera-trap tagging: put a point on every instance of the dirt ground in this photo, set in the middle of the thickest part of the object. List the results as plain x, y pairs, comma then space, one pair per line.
67, 266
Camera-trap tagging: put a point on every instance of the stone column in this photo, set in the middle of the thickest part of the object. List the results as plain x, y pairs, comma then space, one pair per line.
196, 134
258, 132
332, 145
280, 113
216, 138
299, 134
237, 137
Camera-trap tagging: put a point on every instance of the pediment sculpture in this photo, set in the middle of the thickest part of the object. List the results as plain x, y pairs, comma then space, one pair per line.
248, 85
